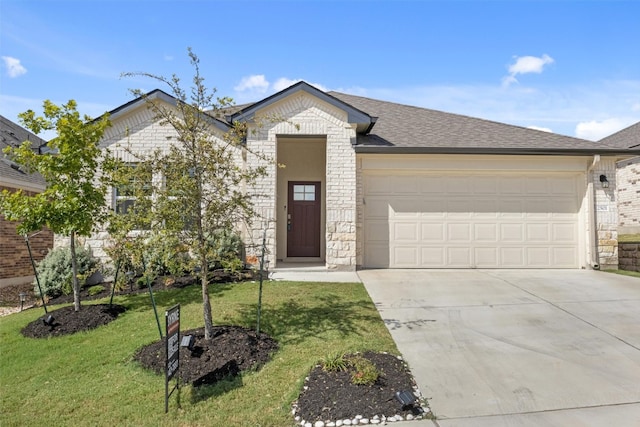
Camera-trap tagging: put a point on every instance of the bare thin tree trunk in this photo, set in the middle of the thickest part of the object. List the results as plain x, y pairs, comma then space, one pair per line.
74, 268
206, 303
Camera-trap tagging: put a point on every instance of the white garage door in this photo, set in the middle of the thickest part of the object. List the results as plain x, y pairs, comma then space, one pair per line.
471, 220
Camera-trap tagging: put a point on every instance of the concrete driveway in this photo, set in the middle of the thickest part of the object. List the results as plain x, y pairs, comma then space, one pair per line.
517, 347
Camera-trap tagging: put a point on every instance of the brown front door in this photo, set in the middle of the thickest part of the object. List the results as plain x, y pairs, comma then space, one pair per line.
303, 219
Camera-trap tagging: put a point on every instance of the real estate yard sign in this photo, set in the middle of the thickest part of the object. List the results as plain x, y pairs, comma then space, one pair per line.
173, 351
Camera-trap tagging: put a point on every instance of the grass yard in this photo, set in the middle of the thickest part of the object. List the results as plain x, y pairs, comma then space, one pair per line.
90, 378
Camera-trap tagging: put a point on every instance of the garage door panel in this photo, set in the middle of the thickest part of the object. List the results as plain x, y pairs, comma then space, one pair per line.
458, 185
485, 232
433, 257
512, 257
486, 257
472, 221
512, 232
432, 233
563, 256
405, 256
404, 232
538, 256
563, 233
459, 232
485, 185
538, 232
459, 257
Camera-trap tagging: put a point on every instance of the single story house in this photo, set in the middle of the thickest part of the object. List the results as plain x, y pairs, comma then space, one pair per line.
627, 179
375, 184
15, 265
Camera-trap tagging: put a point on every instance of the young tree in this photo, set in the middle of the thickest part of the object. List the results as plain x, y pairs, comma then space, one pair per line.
74, 200
202, 193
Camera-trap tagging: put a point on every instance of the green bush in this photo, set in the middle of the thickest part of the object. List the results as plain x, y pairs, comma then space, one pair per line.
166, 254
364, 371
55, 272
226, 250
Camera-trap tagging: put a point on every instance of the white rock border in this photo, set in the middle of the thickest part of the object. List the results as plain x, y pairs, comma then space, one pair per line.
362, 420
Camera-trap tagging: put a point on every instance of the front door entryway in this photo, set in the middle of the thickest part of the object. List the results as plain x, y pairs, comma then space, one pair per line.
303, 219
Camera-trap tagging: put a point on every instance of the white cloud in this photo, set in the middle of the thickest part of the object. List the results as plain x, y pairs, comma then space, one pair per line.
596, 130
526, 65
13, 66
543, 129
256, 82
283, 83
168, 58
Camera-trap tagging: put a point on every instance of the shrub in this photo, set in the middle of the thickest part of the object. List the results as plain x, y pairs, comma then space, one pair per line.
166, 254
364, 371
55, 272
334, 363
226, 250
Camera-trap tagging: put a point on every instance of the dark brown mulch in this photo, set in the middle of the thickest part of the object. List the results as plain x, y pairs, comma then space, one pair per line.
67, 321
331, 396
232, 349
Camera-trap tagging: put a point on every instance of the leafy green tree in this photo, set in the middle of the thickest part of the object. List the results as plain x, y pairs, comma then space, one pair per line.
74, 199
202, 192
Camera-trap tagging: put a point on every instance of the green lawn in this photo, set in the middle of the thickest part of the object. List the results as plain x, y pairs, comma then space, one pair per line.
90, 378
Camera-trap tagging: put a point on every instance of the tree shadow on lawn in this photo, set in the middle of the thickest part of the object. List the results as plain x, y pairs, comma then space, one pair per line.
292, 322
171, 296
204, 392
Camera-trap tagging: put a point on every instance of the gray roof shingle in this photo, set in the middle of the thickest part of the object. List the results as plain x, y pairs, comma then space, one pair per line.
626, 138
13, 135
403, 128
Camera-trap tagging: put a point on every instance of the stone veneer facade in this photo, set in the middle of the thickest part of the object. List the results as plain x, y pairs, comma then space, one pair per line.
606, 214
304, 115
628, 193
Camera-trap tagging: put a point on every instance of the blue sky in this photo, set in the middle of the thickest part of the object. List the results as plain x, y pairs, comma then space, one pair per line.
571, 67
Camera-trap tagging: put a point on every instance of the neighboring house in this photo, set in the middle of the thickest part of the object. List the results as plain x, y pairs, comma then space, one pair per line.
374, 184
15, 265
627, 179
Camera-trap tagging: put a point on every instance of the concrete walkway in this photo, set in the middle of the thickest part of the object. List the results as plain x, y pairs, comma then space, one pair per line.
311, 272
517, 347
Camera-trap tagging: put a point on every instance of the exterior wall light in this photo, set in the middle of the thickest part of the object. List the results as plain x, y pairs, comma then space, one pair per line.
603, 181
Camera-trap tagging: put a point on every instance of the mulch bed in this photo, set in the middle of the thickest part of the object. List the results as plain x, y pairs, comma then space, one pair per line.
67, 321
231, 350
327, 396
331, 396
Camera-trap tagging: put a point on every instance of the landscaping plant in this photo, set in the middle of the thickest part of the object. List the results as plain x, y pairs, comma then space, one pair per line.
73, 201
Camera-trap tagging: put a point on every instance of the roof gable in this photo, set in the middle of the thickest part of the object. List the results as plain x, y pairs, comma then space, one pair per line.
363, 120
159, 95
626, 138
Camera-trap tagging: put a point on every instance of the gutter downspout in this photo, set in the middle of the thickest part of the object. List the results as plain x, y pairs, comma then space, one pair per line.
591, 191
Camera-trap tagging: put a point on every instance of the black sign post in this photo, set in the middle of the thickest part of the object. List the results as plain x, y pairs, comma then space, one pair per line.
173, 352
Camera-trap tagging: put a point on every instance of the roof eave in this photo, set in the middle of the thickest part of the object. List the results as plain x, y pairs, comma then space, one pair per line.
495, 151
165, 97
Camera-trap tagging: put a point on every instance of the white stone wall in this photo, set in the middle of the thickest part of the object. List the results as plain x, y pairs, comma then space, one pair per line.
628, 193
606, 213
298, 115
